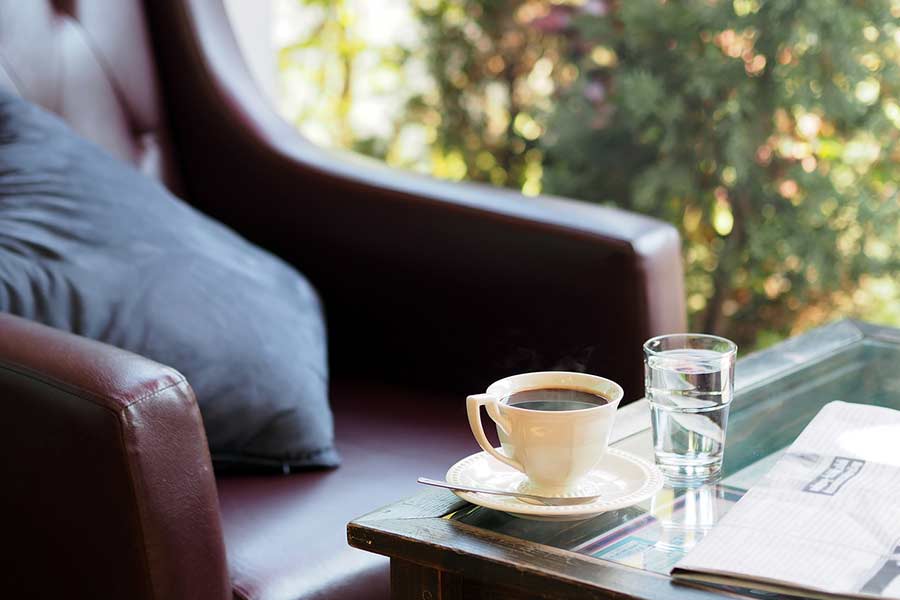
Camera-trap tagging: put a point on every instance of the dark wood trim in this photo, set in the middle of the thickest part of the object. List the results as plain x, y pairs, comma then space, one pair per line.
430, 502
481, 555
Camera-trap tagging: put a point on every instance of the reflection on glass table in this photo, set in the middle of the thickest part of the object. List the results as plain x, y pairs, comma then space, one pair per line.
678, 518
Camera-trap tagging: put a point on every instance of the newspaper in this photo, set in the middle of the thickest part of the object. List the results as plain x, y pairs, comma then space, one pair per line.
824, 522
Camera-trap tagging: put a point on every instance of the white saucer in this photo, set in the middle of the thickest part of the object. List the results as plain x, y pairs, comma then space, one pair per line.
621, 479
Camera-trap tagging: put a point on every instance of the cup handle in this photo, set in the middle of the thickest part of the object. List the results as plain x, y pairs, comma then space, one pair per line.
473, 404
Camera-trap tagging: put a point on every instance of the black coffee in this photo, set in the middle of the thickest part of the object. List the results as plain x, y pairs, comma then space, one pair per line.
556, 399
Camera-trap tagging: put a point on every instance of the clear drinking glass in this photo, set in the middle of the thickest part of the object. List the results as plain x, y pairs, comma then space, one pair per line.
689, 382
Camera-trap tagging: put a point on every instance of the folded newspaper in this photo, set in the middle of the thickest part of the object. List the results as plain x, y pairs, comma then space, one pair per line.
824, 522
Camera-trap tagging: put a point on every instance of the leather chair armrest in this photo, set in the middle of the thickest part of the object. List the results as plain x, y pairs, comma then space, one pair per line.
449, 283
108, 489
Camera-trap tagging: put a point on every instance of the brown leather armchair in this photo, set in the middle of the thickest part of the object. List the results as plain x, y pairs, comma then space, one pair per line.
430, 288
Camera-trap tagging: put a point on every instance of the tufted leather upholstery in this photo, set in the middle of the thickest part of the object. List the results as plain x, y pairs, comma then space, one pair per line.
449, 285
90, 62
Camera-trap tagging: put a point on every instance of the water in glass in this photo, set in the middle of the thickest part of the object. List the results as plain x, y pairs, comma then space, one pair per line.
689, 391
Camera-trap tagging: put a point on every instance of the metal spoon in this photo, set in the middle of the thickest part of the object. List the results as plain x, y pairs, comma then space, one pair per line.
525, 497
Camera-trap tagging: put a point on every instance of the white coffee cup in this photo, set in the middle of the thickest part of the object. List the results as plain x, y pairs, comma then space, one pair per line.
553, 448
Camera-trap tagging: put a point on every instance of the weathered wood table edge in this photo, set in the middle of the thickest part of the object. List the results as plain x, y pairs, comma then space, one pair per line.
433, 557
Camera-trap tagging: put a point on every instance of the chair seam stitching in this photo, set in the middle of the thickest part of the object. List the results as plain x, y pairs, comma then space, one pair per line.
76, 390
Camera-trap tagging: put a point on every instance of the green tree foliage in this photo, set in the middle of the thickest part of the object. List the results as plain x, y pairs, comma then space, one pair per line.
496, 77
765, 130
345, 79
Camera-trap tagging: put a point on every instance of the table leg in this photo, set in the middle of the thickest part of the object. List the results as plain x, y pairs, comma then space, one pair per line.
410, 581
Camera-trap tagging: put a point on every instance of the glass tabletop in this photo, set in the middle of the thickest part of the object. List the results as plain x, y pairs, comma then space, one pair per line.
777, 393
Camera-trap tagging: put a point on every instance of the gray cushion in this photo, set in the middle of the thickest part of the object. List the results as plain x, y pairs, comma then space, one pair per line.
91, 246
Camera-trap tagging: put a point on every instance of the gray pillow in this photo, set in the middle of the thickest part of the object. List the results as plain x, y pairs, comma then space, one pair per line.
91, 246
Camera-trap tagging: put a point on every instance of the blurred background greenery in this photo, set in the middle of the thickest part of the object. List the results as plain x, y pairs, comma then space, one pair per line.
765, 130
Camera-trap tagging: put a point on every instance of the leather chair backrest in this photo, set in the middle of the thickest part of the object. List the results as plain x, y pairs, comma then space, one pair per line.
90, 61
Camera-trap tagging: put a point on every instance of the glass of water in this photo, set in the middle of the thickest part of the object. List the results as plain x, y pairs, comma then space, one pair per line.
689, 380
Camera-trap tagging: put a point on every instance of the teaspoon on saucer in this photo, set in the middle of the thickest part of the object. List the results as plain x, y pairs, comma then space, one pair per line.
549, 501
